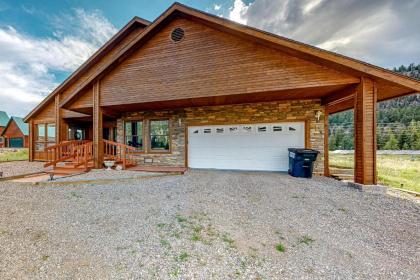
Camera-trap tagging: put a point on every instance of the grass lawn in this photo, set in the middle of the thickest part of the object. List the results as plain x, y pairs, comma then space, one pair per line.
399, 171
20, 154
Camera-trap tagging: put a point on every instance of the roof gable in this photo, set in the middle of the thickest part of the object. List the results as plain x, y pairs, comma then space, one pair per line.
399, 84
4, 118
100, 53
24, 127
339, 62
164, 70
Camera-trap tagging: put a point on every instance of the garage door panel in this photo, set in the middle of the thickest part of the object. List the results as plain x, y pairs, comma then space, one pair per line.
244, 147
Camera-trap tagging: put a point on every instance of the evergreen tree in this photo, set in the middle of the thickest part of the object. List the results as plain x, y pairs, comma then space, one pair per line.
392, 143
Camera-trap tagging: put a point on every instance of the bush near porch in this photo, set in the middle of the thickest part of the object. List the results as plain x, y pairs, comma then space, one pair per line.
8, 154
398, 171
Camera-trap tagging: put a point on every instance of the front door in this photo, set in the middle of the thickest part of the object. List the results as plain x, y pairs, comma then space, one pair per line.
77, 133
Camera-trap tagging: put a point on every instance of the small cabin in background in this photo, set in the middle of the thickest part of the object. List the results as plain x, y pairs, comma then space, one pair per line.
4, 119
16, 133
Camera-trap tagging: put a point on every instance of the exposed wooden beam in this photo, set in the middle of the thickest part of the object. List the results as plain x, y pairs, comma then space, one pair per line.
98, 150
341, 106
110, 113
365, 132
339, 96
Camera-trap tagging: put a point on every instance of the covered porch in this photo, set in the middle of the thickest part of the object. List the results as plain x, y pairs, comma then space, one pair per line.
103, 133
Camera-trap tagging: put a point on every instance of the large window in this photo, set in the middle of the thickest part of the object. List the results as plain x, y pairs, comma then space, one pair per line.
159, 135
45, 136
134, 134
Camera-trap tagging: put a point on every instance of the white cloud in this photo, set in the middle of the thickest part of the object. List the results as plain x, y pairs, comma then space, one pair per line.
28, 63
311, 5
236, 13
382, 32
217, 7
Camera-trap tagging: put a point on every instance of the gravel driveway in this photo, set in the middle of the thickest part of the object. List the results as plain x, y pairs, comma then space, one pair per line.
207, 225
13, 168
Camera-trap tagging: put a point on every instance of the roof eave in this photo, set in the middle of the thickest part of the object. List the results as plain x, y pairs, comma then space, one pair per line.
117, 37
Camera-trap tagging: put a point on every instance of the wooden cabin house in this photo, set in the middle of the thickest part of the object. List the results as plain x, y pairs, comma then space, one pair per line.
16, 133
4, 119
194, 90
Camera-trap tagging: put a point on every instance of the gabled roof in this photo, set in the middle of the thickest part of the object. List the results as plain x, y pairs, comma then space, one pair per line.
91, 61
4, 118
323, 57
24, 127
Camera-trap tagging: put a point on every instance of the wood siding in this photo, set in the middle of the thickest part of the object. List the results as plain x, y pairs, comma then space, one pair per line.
85, 100
208, 62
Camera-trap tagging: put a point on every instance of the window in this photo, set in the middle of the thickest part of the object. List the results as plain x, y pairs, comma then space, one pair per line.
159, 135
262, 128
51, 132
247, 128
134, 134
233, 129
277, 128
45, 136
41, 132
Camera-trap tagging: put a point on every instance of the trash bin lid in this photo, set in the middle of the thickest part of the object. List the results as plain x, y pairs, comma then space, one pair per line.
303, 151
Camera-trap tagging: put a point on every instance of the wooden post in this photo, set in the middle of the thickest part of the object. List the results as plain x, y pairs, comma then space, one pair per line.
31, 140
98, 150
326, 148
365, 133
57, 119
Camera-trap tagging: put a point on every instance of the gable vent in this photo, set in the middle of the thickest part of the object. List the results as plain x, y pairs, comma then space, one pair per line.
177, 34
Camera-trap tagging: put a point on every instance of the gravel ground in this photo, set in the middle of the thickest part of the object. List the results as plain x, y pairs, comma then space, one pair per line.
101, 174
207, 225
13, 168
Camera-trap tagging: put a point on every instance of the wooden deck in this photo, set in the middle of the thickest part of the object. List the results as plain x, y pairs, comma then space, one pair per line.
166, 169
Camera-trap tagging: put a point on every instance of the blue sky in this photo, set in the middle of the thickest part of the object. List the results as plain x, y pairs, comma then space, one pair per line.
43, 41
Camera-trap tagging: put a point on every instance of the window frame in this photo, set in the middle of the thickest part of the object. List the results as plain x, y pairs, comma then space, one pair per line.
45, 143
149, 137
143, 148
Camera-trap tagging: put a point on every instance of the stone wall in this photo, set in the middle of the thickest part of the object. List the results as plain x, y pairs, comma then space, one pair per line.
229, 114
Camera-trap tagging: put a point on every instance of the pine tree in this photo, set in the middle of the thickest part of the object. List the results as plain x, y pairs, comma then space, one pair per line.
392, 143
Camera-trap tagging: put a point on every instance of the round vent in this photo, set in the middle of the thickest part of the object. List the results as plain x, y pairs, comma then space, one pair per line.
177, 34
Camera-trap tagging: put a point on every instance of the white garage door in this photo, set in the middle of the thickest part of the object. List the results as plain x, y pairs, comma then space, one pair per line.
244, 147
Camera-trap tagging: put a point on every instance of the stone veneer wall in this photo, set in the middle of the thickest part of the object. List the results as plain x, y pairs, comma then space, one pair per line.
229, 114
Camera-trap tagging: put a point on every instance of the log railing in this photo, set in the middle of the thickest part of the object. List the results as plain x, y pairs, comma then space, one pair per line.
79, 150
119, 152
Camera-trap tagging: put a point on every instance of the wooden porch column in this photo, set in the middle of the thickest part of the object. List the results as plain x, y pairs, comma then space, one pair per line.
365, 132
326, 146
98, 150
31, 139
57, 119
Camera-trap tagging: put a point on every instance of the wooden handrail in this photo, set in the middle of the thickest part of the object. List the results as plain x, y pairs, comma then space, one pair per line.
119, 152
80, 150
81, 153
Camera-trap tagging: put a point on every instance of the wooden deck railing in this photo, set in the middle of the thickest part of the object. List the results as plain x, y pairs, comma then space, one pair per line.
79, 150
119, 152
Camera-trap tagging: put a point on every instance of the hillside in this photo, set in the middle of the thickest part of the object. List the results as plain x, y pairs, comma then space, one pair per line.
398, 121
